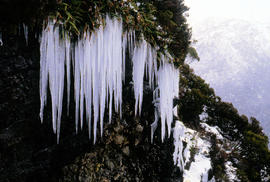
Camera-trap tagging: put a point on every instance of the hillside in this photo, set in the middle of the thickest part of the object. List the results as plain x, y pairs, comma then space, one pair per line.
235, 62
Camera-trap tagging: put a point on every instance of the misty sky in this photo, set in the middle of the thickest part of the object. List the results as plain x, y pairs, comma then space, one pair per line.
255, 10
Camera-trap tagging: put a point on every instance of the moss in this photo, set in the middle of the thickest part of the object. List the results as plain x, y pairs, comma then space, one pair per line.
162, 28
147, 18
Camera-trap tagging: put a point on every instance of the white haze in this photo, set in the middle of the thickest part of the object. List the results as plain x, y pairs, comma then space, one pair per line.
254, 10
234, 47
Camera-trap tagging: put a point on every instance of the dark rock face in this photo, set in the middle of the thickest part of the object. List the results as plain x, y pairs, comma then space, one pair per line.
132, 159
29, 151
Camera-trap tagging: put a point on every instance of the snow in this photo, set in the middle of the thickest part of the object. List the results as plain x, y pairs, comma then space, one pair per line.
264, 175
199, 146
212, 129
203, 116
98, 62
199, 168
231, 171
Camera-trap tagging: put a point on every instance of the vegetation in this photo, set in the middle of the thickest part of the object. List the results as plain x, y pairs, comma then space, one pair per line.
161, 23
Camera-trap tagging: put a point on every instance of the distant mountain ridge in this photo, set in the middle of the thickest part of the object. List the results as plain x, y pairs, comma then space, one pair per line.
235, 60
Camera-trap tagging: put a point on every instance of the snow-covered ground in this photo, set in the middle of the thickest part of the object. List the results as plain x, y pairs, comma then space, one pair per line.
196, 146
235, 61
191, 153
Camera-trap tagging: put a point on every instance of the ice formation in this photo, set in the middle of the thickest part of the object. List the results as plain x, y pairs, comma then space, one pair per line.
144, 58
98, 62
168, 88
52, 70
25, 31
1, 42
178, 134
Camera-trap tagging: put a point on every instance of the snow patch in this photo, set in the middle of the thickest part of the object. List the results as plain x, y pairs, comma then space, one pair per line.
231, 172
198, 170
212, 129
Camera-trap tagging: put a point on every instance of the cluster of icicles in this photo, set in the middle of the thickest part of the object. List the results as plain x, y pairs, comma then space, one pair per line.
97, 63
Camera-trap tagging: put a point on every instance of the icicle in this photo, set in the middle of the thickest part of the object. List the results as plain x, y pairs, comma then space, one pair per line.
131, 42
124, 44
95, 85
144, 60
98, 61
88, 81
77, 82
25, 30
1, 42
43, 70
52, 65
168, 81
82, 77
151, 66
98, 64
178, 134
67, 53
60, 84
157, 113
139, 59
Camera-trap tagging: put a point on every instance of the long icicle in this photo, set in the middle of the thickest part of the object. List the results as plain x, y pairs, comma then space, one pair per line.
98, 61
